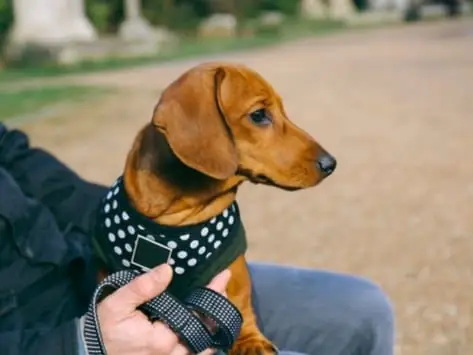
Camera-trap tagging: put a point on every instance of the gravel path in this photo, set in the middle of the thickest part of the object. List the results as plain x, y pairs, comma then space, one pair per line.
395, 106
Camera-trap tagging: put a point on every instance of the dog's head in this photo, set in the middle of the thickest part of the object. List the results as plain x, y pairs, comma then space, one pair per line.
225, 120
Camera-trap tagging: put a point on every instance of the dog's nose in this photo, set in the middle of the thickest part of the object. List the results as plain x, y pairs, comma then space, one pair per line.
326, 164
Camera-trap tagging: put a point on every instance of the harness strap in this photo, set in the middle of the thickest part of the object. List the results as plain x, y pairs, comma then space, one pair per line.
167, 309
216, 307
178, 316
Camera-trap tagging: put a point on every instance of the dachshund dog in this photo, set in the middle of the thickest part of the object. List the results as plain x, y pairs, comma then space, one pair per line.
213, 128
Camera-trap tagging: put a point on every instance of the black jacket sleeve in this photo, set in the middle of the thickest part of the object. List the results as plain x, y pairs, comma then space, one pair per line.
41, 176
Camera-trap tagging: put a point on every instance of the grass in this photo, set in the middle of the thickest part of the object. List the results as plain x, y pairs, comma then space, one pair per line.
16, 103
186, 49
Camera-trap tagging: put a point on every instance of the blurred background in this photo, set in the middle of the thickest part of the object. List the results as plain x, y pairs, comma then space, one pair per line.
386, 86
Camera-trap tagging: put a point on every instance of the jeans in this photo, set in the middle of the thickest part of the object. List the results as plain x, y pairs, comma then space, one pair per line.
310, 312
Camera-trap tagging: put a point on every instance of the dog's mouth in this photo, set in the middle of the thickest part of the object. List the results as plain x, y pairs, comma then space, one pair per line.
263, 179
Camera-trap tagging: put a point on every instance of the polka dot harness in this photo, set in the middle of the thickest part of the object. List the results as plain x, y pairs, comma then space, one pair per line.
130, 243
137, 242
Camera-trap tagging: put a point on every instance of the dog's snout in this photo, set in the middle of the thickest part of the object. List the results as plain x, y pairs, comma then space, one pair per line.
326, 164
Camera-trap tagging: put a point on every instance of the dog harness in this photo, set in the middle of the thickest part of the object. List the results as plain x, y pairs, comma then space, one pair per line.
130, 243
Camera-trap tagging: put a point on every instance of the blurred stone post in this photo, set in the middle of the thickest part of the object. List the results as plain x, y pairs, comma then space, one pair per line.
314, 9
135, 27
327, 9
50, 22
341, 10
80, 26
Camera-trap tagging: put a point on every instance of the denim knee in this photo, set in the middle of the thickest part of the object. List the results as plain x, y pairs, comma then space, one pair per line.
372, 317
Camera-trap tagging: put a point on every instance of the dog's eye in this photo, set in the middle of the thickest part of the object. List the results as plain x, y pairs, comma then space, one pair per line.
260, 117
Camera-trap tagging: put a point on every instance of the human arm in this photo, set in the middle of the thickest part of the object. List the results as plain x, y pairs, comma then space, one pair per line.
42, 176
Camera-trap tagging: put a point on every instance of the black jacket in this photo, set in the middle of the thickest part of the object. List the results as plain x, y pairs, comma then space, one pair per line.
47, 273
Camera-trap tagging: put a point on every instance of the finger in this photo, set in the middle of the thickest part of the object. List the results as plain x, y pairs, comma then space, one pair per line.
182, 350
164, 335
208, 352
219, 282
163, 340
126, 299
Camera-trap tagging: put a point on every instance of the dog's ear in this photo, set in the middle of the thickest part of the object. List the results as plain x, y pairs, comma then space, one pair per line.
190, 116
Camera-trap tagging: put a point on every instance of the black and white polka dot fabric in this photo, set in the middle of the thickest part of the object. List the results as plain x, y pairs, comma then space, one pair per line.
184, 248
178, 316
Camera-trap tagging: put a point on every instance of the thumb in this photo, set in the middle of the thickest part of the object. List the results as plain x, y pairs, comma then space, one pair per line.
126, 299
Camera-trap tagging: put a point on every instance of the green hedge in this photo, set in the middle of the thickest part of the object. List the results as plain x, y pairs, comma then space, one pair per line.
6, 19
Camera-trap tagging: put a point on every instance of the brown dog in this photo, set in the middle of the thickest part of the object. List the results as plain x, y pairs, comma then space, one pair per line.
213, 128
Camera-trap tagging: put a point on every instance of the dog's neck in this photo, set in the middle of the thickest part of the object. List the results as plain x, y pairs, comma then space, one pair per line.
161, 187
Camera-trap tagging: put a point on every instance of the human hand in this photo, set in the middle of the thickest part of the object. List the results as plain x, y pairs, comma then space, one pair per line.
126, 330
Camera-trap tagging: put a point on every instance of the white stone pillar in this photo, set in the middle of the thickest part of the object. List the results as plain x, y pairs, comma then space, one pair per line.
392, 5
37, 21
80, 27
341, 9
133, 8
313, 9
135, 27
50, 22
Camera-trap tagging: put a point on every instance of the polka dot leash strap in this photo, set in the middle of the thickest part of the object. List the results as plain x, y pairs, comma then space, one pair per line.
175, 314
216, 307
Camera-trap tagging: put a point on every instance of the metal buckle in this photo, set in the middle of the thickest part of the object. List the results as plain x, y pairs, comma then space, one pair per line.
148, 253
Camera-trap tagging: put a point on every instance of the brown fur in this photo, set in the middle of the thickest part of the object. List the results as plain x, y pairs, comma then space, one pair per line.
186, 165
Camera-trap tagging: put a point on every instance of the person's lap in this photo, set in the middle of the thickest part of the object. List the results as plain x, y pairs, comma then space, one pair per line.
307, 311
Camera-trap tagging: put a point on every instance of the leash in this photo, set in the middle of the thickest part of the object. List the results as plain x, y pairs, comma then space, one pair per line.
179, 316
